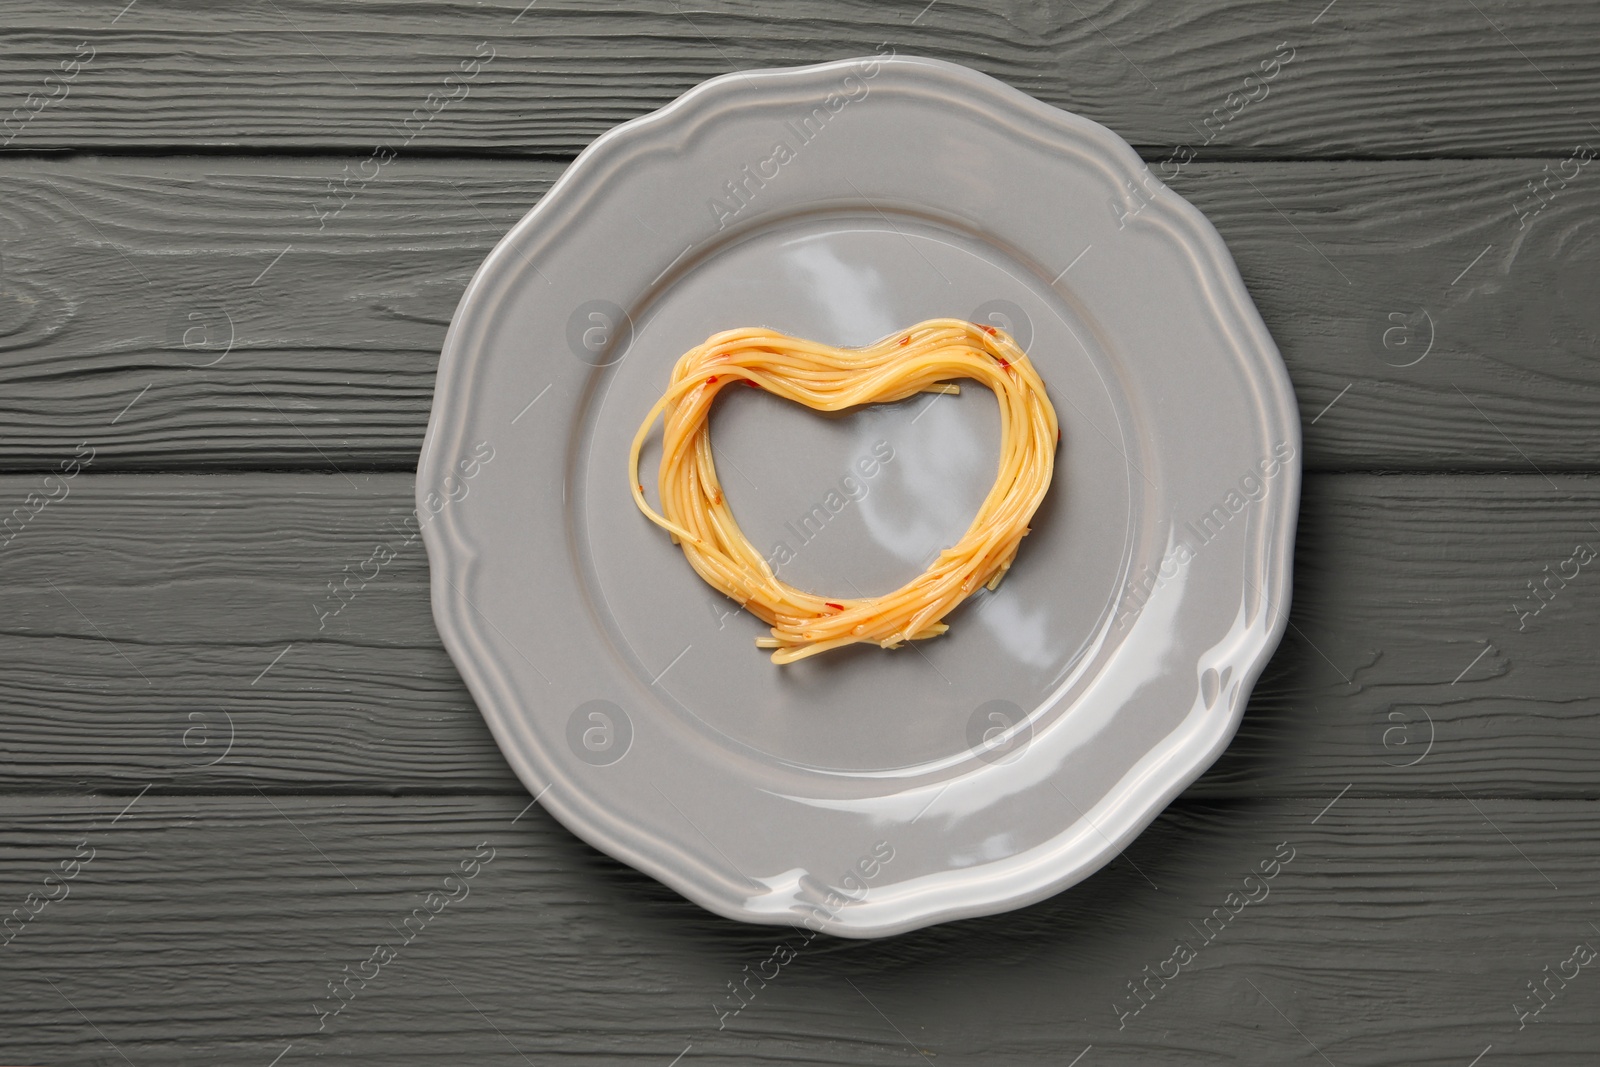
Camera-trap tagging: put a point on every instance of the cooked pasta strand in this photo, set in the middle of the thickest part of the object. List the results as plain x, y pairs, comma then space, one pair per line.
925, 358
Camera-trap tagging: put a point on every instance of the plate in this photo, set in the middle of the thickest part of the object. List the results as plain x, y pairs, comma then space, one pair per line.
867, 791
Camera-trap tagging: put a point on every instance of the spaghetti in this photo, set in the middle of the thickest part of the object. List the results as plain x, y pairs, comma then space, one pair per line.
925, 358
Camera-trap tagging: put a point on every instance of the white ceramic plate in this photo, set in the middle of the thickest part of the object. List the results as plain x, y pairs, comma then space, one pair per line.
862, 792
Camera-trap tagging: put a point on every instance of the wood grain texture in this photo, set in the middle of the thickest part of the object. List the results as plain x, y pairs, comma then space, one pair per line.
146, 610
194, 312
1424, 739
204, 929
1366, 78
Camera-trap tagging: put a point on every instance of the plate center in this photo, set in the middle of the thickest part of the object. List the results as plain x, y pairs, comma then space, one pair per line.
860, 502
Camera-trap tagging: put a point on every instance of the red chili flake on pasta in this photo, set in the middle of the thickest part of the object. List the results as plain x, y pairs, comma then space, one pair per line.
905, 340
835, 607
711, 380
990, 330
1002, 361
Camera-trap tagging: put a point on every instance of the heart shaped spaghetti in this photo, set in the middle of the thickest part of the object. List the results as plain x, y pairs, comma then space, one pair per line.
923, 359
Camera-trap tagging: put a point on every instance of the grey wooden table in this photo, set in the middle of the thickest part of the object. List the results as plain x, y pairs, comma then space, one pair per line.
216, 363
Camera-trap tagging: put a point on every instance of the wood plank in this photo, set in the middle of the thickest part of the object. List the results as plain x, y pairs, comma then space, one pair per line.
204, 929
123, 281
1365, 78
152, 618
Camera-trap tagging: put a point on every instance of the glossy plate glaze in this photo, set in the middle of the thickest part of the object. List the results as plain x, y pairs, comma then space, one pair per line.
863, 792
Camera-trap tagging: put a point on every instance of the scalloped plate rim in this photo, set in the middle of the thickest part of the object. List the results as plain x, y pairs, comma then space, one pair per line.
452, 559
